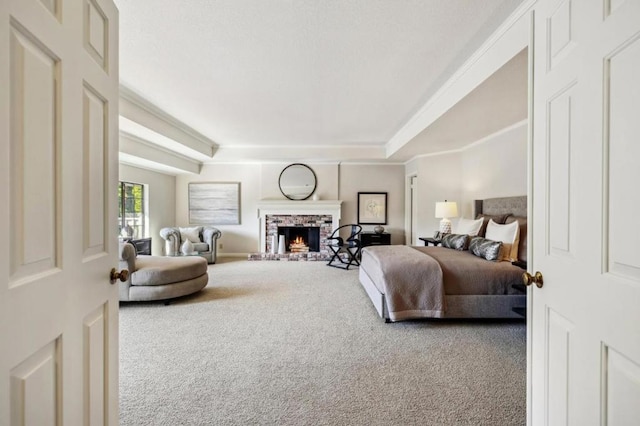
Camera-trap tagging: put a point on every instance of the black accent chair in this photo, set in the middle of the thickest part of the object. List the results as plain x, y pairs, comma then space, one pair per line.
351, 246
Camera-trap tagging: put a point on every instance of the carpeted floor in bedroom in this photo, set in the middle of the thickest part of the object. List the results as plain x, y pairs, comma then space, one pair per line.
299, 343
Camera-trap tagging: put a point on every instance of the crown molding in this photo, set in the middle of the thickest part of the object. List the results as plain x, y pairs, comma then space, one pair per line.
522, 123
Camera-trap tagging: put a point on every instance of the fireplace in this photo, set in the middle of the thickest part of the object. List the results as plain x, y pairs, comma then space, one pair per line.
324, 215
300, 239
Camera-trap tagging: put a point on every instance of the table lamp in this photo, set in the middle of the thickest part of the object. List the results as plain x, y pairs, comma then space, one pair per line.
445, 210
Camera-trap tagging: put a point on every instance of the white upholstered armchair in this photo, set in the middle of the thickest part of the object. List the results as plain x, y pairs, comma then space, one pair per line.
203, 238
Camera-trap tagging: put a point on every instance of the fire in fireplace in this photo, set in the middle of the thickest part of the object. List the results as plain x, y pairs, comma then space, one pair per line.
299, 245
301, 239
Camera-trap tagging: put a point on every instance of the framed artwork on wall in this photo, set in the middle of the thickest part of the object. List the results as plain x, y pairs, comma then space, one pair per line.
214, 203
372, 208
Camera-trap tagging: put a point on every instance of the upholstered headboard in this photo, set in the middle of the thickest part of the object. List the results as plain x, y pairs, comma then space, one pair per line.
516, 206
510, 209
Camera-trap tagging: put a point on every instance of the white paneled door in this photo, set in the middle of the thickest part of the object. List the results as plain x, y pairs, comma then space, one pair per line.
58, 177
585, 346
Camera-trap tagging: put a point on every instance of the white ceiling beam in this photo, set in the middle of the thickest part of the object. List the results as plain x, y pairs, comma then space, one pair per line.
139, 110
134, 147
509, 39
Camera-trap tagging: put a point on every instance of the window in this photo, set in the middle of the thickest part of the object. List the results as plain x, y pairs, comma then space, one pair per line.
131, 209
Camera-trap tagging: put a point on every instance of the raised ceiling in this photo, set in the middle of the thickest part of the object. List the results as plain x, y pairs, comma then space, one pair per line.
263, 78
498, 102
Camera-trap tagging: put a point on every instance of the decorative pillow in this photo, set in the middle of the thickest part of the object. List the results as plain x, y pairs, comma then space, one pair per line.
468, 226
455, 241
487, 249
522, 244
508, 234
192, 234
498, 218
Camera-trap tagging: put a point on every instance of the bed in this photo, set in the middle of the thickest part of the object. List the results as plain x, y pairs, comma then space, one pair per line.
409, 282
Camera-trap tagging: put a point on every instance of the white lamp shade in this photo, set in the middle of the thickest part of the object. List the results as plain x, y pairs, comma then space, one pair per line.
445, 209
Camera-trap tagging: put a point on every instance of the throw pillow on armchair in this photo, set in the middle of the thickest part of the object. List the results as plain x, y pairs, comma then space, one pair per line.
203, 238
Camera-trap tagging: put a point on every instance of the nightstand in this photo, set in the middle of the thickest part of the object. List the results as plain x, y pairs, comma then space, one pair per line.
374, 239
429, 240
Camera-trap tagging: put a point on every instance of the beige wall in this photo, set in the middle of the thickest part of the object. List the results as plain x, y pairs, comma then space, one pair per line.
496, 167
242, 238
161, 198
326, 175
257, 182
260, 182
374, 178
439, 179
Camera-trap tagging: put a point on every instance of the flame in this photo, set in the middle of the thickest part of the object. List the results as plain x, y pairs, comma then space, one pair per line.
298, 245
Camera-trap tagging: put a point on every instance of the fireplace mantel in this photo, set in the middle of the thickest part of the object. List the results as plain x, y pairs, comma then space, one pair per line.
289, 207
299, 207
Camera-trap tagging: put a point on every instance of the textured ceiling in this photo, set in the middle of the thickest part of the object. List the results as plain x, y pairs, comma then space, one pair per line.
298, 72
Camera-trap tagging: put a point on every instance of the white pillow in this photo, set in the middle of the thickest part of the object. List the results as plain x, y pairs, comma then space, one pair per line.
467, 226
191, 234
509, 234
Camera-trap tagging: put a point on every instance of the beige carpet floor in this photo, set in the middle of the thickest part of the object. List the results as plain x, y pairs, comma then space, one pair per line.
299, 343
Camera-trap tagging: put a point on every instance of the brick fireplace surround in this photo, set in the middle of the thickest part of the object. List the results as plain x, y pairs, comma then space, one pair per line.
273, 213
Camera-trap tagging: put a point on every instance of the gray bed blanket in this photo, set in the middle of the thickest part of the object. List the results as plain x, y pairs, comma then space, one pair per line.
464, 274
411, 281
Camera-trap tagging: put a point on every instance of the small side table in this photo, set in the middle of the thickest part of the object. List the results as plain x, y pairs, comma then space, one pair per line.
429, 240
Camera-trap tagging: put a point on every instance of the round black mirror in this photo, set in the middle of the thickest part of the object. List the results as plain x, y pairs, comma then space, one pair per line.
297, 181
